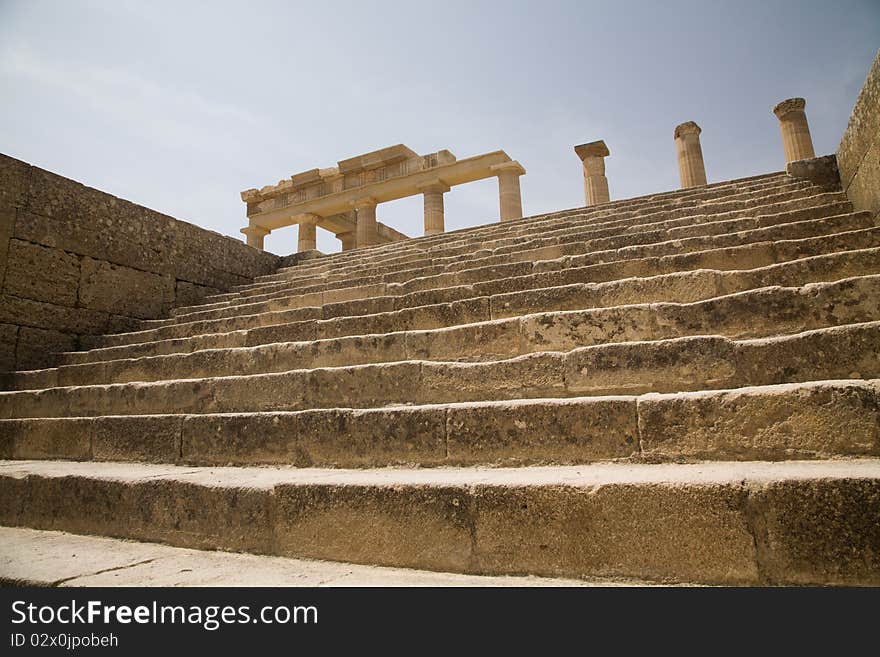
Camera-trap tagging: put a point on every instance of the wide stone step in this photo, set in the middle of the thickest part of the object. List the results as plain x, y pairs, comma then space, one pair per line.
483, 341
288, 300
375, 273
821, 419
694, 363
42, 558
852, 227
678, 198
752, 256
451, 241
795, 522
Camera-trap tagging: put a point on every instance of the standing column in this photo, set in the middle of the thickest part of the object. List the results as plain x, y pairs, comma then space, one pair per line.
367, 230
796, 140
691, 168
255, 235
509, 196
307, 237
595, 183
349, 240
434, 219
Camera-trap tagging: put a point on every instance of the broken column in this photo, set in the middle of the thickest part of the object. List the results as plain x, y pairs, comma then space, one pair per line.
255, 236
509, 197
691, 168
367, 230
595, 183
307, 238
796, 140
433, 193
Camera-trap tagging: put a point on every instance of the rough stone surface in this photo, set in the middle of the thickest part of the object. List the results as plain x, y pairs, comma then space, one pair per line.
859, 151
77, 250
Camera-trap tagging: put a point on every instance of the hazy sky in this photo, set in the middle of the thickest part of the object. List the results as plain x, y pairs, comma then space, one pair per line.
181, 105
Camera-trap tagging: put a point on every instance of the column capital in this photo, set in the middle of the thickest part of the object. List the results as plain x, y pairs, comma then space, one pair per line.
789, 105
687, 128
363, 202
433, 186
255, 231
307, 218
592, 149
513, 167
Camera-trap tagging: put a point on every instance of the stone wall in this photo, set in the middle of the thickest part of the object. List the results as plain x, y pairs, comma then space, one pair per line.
75, 261
858, 155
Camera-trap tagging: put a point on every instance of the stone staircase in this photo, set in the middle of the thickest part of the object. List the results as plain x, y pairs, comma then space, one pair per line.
682, 387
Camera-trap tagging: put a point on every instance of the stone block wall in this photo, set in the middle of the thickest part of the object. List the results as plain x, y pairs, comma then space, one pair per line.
75, 261
858, 155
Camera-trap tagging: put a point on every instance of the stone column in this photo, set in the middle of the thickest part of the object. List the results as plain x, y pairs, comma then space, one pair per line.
367, 229
595, 183
307, 238
509, 196
796, 140
433, 193
690, 155
349, 240
255, 235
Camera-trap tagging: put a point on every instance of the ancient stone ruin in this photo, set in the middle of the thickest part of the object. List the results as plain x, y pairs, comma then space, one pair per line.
681, 387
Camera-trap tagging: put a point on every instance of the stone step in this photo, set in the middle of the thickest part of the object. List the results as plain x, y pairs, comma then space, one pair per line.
770, 422
481, 234
752, 256
43, 558
509, 238
466, 343
672, 199
842, 227
289, 299
373, 273
794, 522
621, 364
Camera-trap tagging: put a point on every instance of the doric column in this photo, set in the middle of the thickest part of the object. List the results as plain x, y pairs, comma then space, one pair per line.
796, 140
307, 238
255, 235
595, 183
367, 230
433, 193
349, 240
509, 196
691, 168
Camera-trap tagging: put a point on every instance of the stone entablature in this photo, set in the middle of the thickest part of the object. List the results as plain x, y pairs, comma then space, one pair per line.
342, 199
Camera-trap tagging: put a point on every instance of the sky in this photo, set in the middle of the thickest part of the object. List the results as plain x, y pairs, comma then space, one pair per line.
181, 105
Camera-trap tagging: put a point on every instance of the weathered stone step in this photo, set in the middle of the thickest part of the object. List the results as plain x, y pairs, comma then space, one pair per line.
618, 365
842, 227
376, 272
752, 256
771, 422
668, 199
796, 522
288, 299
43, 558
466, 343
528, 226
453, 250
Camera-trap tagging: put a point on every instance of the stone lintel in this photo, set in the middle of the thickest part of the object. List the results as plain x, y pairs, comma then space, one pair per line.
250, 195
508, 167
687, 128
376, 159
592, 149
789, 105
306, 177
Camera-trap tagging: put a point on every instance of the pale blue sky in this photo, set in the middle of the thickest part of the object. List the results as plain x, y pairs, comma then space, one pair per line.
181, 105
